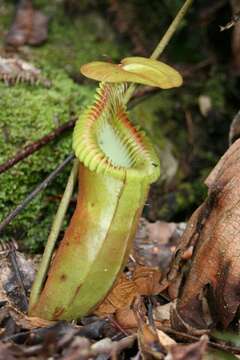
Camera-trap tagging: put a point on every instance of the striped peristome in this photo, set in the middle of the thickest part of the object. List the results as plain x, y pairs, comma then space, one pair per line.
105, 141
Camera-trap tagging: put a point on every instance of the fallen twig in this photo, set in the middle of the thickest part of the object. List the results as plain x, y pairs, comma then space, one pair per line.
121, 345
34, 146
192, 338
35, 192
54, 233
10, 248
15, 267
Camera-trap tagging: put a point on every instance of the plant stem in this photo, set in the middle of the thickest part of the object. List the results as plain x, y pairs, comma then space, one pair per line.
171, 30
35, 146
34, 193
163, 42
56, 227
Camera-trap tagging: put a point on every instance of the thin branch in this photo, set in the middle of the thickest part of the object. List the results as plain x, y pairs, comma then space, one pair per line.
171, 30
34, 146
163, 42
35, 192
10, 249
193, 338
53, 236
122, 344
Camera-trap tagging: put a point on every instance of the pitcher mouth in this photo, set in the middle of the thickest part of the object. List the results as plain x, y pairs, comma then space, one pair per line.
106, 142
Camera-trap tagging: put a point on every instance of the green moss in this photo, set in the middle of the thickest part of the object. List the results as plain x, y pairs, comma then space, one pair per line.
28, 113
74, 41
215, 88
181, 188
159, 116
179, 203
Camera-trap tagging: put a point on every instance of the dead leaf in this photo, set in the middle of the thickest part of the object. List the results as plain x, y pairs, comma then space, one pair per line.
165, 340
30, 26
11, 352
162, 312
155, 243
121, 295
148, 339
26, 322
11, 289
39, 31
78, 349
126, 318
13, 70
149, 343
205, 104
144, 281
193, 351
212, 278
147, 280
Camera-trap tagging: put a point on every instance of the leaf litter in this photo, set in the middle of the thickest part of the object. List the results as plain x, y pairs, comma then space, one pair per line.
30, 26
15, 70
142, 316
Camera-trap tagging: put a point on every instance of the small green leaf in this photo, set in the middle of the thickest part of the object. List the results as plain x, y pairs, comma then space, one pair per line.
103, 71
155, 72
134, 69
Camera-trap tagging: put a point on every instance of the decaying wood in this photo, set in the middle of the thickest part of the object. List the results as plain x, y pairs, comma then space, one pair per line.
14, 70
210, 282
30, 26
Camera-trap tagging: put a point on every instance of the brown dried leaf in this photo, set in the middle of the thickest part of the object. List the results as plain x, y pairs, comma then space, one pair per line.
144, 281
162, 312
26, 322
10, 287
39, 31
165, 340
11, 352
147, 280
149, 343
148, 338
121, 295
212, 281
13, 70
30, 26
193, 351
155, 243
126, 318
78, 349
